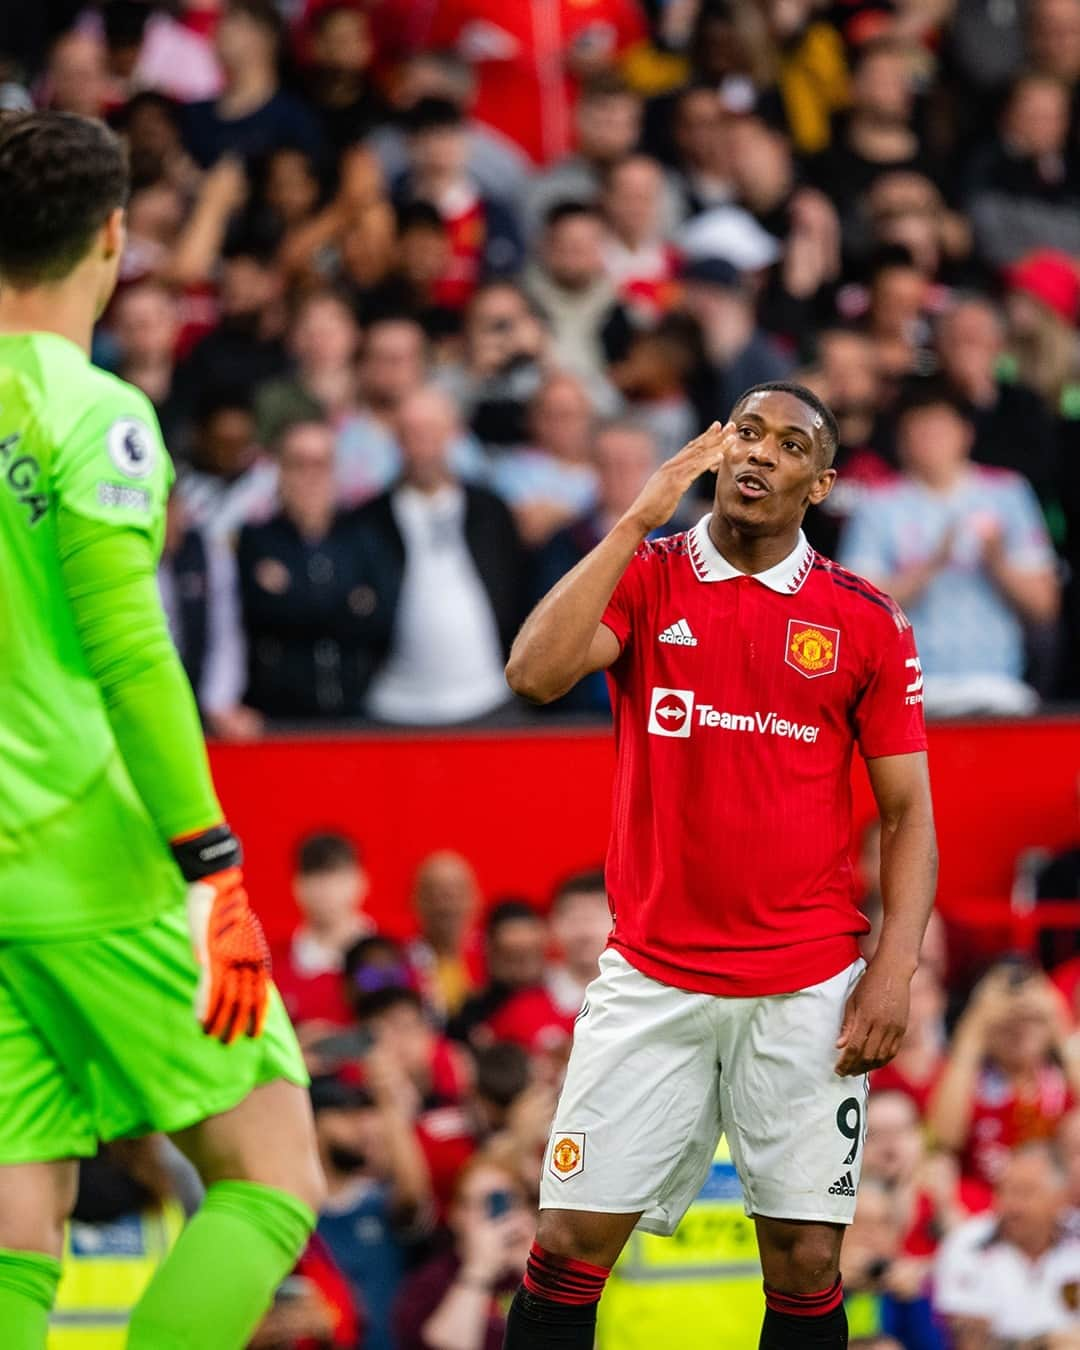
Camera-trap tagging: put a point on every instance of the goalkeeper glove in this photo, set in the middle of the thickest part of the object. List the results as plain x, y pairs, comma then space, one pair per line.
234, 960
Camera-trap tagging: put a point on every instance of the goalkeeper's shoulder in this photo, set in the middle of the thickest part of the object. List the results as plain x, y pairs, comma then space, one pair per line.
111, 462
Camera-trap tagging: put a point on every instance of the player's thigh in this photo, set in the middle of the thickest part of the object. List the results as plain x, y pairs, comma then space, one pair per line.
117, 1012
795, 1129
637, 1121
35, 1201
268, 1138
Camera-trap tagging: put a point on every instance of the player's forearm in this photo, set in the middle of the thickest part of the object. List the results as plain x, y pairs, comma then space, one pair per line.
909, 865
551, 652
109, 579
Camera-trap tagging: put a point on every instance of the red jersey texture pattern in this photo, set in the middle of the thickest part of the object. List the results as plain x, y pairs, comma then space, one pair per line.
728, 866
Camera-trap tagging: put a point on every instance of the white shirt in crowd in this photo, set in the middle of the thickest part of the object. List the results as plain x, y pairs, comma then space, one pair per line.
979, 1276
446, 662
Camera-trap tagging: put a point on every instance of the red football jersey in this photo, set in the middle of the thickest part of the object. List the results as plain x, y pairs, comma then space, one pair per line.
737, 701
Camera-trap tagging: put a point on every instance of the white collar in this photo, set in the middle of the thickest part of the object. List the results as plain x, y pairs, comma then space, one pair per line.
709, 564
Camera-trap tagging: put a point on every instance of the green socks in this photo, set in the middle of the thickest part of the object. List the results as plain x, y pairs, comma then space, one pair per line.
28, 1283
217, 1282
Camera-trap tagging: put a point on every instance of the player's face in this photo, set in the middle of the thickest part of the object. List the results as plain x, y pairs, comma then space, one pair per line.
776, 468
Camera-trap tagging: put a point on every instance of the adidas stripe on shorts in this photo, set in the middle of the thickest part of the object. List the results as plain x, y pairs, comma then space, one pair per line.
656, 1073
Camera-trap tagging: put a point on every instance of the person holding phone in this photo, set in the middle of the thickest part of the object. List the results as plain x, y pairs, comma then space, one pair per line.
457, 1300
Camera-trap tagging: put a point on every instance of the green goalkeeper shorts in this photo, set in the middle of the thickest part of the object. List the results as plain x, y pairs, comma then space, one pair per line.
98, 1040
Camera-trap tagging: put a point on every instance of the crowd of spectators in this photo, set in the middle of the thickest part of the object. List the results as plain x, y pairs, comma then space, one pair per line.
422, 291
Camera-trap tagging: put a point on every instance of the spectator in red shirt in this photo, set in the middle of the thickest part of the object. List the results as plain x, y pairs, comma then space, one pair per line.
483, 235
330, 885
514, 1005
930, 1197
459, 1297
639, 260
1011, 1074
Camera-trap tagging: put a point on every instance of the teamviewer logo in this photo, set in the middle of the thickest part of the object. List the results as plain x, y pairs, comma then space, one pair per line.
670, 712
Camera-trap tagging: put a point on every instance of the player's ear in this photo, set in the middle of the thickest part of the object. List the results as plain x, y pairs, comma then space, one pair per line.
113, 233
823, 485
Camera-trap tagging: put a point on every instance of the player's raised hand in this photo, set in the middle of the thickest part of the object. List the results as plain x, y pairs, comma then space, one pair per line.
234, 960
875, 1020
658, 499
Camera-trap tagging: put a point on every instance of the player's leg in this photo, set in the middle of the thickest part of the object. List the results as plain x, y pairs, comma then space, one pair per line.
264, 1186
804, 1299
117, 1011
44, 1124
35, 1200
796, 1132
633, 1138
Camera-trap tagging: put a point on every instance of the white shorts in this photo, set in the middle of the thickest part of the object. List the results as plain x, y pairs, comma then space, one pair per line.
657, 1073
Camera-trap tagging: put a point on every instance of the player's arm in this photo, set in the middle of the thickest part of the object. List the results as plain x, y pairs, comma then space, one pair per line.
877, 1012
109, 491
563, 639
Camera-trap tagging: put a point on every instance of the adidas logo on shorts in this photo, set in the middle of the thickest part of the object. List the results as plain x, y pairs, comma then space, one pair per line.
678, 635
845, 1186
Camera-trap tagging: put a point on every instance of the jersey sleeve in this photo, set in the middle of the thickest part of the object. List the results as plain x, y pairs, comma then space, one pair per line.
624, 608
110, 580
112, 466
889, 714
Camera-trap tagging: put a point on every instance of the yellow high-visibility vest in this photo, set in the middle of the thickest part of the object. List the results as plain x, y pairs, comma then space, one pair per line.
106, 1267
699, 1289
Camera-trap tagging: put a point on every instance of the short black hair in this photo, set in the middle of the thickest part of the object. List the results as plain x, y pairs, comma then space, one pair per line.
418, 215
569, 210
502, 1072
325, 852
381, 1001
508, 911
60, 178
929, 391
432, 114
218, 398
579, 883
828, 432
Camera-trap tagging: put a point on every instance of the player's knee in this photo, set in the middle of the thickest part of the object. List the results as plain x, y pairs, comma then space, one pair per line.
577, 1235
800, 1258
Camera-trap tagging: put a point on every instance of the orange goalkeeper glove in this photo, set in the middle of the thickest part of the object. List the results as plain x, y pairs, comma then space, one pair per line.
230, 947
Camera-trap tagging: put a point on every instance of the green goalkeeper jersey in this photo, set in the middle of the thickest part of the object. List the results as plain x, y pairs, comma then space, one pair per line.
101, 753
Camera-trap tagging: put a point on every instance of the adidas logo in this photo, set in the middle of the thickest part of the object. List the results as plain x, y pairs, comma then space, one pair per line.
845, 1186
679, 635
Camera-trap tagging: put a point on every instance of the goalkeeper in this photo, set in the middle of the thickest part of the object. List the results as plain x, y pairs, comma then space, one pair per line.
134, 982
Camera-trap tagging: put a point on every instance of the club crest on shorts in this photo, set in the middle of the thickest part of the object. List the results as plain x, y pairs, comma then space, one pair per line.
811, 649
567, 1155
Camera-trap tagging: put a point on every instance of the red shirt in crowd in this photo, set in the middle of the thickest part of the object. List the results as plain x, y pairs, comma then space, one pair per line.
524, 54
737, 702
1002, 1118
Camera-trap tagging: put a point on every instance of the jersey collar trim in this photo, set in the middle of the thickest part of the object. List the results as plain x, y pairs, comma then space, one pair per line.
709, 564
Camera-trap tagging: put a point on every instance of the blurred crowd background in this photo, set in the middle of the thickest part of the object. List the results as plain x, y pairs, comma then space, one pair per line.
422, 291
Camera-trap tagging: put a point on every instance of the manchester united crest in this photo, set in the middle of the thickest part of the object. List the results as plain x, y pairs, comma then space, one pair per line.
568, 1155
812, 649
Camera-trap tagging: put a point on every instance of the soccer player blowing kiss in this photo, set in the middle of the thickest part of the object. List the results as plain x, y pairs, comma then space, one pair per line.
744, 668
